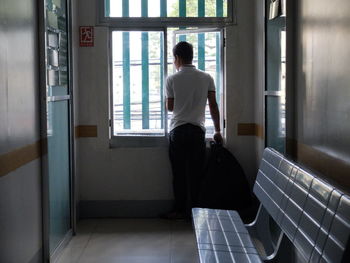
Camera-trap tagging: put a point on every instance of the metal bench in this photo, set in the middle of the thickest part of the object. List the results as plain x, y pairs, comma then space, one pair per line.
300, 219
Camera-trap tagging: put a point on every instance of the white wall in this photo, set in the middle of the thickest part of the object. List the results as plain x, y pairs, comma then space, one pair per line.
144, 173
259, 79
105, 173
20, 189
244, 82
75, 88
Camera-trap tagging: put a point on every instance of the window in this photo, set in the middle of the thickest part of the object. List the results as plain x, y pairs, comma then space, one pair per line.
206, 57
166, 8
155, 13
142, 36
137, 72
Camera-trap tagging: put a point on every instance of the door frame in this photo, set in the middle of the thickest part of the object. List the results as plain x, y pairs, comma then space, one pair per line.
42, 93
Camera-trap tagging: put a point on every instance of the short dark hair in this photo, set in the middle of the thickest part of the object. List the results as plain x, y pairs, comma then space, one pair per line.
184, 50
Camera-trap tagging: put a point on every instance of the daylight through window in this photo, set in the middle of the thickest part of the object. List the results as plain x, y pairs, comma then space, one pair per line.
138, 83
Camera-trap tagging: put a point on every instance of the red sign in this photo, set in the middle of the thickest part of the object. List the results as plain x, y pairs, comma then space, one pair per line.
86, 36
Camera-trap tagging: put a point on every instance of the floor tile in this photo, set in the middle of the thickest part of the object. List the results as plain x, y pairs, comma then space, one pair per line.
132, 225
150, 244
183, 243
86, 226
132, 241
76, 246
70, 255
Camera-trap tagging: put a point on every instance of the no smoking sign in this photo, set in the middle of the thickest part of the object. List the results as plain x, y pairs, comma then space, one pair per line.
86, 36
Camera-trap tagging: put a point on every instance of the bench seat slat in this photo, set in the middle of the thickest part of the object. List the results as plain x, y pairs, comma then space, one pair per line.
233, 249
210, 256
222, 237
339, 233
216, 213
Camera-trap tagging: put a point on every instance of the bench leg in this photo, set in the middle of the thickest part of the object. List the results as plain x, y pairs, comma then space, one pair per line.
260, 229
284, 252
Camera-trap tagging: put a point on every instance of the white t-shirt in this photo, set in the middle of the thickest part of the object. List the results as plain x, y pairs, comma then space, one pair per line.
189, 87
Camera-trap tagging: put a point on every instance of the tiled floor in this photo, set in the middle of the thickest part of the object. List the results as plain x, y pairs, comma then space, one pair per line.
132, 241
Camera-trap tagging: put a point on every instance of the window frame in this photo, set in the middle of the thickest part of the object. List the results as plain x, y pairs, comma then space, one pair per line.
220, 97
159, 24
270, 141
164, 22
127, 140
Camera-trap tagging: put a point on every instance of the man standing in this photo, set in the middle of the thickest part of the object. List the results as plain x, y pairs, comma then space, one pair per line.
187, 92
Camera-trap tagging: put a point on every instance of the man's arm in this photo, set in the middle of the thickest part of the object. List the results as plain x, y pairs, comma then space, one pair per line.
170, 104
169, 94
215, 115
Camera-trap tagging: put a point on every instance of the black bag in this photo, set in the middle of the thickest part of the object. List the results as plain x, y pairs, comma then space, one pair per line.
224, 185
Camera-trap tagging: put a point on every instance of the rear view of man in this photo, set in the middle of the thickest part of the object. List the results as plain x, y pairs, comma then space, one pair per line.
187, 92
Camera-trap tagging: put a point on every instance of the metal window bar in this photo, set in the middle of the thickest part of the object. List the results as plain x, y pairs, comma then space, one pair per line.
163, 8
182, 13
201, 37
145, 70
219, 13
219, 8
126, 70
145, 81
165, 66
108, 8
163, 13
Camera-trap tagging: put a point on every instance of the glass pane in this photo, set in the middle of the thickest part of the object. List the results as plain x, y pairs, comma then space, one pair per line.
58, 160
53, 39
115, 9
275, 82
154, 9
137, 83
166, 8
191, 8
206, 57
52, 56
58, 123
135, 8
57, 90
276, 55
172, 8
276, 123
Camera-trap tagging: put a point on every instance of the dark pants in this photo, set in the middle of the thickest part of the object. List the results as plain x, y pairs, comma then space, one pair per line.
187, 156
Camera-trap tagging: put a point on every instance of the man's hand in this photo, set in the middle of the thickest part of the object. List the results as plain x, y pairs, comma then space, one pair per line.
218, 138
170, 104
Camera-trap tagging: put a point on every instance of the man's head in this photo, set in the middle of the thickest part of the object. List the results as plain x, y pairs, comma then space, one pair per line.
183, 54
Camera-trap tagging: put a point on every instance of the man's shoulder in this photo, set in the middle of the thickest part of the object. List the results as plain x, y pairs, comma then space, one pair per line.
172, 76
201, 72
194, 71
180, 75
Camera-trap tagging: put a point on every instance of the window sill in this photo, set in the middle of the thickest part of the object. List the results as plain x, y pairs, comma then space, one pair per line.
138, 142
144, 141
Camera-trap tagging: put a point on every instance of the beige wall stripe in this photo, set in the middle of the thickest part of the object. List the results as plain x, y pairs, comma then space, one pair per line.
250, 129
86, 131
12, 160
